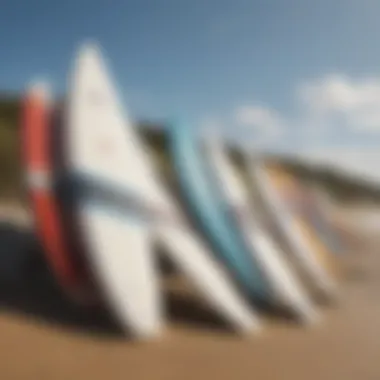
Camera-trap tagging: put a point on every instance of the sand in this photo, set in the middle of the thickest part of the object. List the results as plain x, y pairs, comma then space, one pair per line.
44, 336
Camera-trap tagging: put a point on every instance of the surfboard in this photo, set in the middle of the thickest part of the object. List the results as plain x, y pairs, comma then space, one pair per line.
122, 163
116, 237
300, 208
314, 212
269, 183
286, 287
36, 138
205, 202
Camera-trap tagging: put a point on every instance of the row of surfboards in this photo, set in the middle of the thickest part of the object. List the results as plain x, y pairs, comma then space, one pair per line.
100, 209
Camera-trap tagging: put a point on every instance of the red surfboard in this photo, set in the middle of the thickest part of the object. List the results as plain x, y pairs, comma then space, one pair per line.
36, 129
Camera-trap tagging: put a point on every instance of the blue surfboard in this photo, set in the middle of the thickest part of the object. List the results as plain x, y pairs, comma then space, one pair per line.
205, 201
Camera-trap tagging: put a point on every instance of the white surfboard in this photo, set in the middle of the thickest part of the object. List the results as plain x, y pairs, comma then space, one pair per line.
131, 168
286, 287
298, 243
117, 241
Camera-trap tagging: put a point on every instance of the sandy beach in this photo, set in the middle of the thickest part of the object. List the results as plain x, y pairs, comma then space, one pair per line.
43, 336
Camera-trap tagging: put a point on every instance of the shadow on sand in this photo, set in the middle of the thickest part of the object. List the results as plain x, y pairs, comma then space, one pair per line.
27, 287
189, 312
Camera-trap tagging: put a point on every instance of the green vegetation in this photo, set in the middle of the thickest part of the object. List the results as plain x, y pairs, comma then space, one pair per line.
339, 186
11, 176
10, 162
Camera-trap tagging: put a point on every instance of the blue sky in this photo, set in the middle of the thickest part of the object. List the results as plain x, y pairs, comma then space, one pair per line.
249, 66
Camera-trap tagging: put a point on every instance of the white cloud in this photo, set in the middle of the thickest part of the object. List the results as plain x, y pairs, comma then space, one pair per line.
261, 118
323, 107
211, 124
355, 104
331, 93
